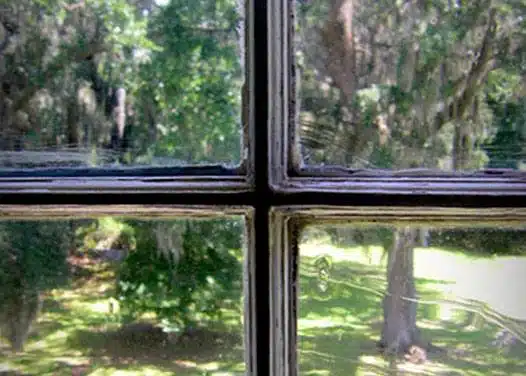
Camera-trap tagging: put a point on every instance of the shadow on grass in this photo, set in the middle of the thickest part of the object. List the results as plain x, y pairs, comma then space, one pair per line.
332, 350
122, 349
471, 352
56, 317
75, 335
202, 345
113, 350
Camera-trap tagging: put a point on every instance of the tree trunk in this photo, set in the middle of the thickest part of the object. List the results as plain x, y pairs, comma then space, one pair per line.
399, 331
72, 123
119, 118
19, 312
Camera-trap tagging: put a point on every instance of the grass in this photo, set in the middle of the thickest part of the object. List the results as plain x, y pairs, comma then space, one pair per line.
340, 321
76, 335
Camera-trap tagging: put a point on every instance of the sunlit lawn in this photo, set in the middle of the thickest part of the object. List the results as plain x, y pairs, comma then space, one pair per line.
338, 326
75, 335
340, 323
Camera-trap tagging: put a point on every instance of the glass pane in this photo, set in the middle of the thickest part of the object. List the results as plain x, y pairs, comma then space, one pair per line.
120, 82
434, 301
122, 296
412, 84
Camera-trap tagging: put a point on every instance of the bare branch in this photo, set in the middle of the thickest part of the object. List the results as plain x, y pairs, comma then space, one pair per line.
467, 87
72, 7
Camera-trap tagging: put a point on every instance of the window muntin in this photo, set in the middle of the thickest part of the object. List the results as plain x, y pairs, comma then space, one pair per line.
84, 300
406, 85
465, 285
123, 83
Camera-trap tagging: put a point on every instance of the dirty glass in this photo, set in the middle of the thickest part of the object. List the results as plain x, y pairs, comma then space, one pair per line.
437, 301
122, 296
91, 83
411, 84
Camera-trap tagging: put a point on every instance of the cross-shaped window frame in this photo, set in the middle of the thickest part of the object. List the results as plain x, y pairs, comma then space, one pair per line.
276, 195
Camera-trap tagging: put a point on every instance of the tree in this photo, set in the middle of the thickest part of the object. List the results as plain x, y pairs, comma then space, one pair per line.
194, 107
90, 80
32, 260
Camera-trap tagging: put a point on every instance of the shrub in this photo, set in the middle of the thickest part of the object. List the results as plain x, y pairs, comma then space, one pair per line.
192, 286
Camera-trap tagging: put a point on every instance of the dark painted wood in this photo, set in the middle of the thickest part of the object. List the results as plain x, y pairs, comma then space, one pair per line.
262, 198
143, 171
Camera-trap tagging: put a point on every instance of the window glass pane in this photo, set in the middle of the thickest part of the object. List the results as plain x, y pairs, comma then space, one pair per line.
435, 301
411, 84
122, 296
120, 82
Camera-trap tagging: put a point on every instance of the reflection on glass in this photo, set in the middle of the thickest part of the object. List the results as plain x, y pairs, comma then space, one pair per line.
407, 84
120, 82
126, 296
438, 301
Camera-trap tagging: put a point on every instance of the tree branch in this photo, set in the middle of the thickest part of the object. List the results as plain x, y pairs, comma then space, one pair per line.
71, 7
5, 43
467, 87
10, 28
338, 39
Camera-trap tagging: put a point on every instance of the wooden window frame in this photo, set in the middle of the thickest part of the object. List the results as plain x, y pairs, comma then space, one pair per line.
276, 195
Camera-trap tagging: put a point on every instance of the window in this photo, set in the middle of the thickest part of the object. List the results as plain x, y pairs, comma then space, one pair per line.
281, 198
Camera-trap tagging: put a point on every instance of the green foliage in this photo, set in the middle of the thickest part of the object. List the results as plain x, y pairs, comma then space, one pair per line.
345, 236
482, 241
190, 288
195, 81
106, 233
33, 255
178, 62
505, 149
443, 63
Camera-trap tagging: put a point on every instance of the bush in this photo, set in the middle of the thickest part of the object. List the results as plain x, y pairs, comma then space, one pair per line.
189, 289
481, 241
